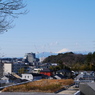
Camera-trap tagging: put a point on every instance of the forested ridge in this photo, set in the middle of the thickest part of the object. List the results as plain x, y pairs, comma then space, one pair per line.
74, 61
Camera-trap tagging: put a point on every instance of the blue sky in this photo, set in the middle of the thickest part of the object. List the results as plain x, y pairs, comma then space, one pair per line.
51, 26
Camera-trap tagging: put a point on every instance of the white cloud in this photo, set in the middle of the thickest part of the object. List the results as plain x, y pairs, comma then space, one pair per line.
53, 43
63, 50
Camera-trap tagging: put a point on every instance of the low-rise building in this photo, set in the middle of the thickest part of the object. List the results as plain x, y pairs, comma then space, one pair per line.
7, 68
65, 72
27, 77
47, 72
32, 76
37, 70
15, 67
5, 80
84, 77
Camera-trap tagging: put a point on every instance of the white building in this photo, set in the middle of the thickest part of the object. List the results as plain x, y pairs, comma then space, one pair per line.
32, 76
27, 76
7, 68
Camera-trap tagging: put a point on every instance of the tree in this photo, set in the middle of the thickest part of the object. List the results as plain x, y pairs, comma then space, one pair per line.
9, 9
21, 71
93, 58
89, 58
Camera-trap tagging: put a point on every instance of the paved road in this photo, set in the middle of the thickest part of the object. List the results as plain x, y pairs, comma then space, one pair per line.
70, 90
19, 93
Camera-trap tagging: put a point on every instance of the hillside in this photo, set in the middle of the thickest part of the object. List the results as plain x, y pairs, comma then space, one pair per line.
73, 60
67, 58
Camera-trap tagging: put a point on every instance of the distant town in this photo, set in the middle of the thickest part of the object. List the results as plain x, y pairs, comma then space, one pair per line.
21, 70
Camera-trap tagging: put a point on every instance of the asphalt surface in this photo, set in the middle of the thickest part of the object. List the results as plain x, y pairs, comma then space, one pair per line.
70, 91
21, 93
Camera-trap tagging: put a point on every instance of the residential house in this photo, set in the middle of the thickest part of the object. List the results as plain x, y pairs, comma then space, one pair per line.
28, 77
5, 80
65, 72
37, 70
84, 77
13, 79
38, 76
47, 72
32, 76
59, 76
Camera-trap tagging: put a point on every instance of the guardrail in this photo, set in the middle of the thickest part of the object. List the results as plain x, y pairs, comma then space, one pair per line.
77, 93
15, 84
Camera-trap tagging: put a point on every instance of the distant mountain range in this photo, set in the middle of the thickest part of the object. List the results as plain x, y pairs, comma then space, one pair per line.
46, 54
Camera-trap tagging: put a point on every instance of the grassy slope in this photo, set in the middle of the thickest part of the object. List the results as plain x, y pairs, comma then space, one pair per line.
43, 85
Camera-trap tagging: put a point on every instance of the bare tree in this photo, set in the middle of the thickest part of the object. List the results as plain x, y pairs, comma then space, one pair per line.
9, 10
